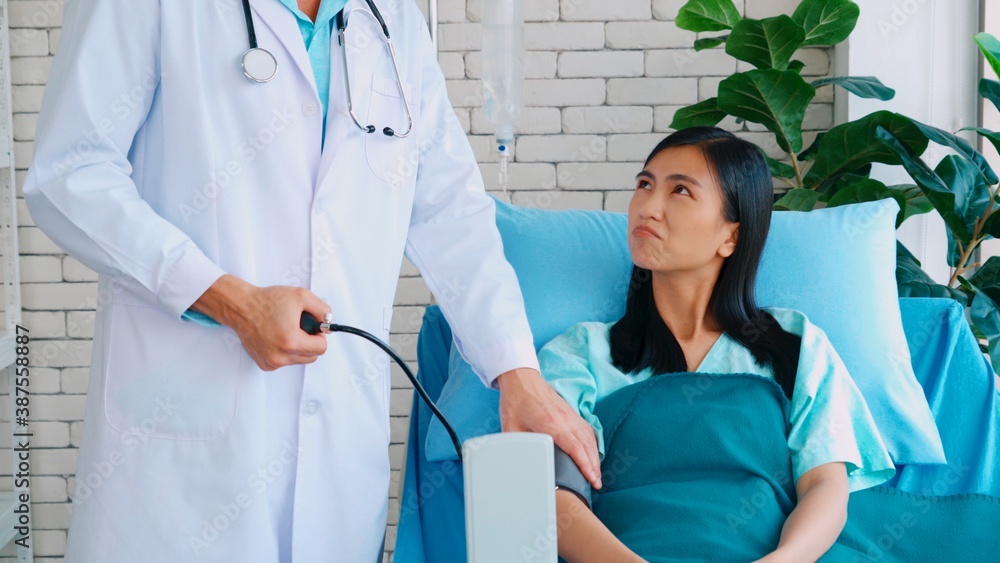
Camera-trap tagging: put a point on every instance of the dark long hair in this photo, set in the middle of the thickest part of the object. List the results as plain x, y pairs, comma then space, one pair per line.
641, 339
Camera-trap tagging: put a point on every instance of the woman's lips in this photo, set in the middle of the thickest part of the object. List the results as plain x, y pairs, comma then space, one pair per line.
645, 232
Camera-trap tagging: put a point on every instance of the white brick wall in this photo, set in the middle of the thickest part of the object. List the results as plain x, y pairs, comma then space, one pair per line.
603, 80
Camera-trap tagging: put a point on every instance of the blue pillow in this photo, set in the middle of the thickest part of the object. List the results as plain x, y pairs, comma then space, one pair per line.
836, 265
548, 250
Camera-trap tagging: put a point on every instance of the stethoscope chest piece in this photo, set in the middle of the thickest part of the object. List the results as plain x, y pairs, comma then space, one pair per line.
259, 65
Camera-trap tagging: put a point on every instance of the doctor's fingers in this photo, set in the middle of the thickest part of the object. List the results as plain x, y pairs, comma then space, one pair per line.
274, 360
308, 345
311, 303
580, 443
297, 346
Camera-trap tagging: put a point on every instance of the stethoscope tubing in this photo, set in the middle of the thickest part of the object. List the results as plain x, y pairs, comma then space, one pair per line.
251, 30
312, 325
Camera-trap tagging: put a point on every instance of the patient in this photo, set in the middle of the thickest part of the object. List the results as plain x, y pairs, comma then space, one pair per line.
697, 224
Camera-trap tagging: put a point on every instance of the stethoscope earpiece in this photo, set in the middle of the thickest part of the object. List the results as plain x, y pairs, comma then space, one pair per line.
341, 27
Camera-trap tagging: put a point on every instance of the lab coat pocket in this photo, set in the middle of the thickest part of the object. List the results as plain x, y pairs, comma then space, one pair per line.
393, 160
167, 378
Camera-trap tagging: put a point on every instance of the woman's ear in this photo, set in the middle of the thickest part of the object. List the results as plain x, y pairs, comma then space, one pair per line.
729, 247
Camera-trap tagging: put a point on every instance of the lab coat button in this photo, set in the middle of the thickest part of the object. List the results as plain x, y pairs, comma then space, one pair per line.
310, 408
310, 108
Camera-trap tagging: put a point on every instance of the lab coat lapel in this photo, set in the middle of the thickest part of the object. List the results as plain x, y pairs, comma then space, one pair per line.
281, 21
364, 47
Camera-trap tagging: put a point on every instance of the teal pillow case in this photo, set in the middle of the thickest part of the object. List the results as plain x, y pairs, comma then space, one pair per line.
836, 265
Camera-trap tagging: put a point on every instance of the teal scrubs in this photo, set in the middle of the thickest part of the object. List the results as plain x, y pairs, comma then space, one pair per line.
829, 419
318, 37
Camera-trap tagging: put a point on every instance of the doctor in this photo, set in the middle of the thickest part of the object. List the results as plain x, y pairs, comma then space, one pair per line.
193, 190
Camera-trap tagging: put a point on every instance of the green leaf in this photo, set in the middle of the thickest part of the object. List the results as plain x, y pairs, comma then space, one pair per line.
865, 191
868, 190
709, 42
912, 281
916, 202
706, 113
797, 199
987, 278
933, 186
971, 192
810, 152
826, 22
964, 284
991, 50
930, 289
861, 86
797, 66
991, 136
961, 146
954, 255
767, 43
776, 99
708, 15
992, 226
990, 89
779, 169
905, 257
980, 336
852, 146
986, 316
841, 183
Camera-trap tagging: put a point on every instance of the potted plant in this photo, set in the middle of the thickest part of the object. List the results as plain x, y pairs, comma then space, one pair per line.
964, 190
835, 169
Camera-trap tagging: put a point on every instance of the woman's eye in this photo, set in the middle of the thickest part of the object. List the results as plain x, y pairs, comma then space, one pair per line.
643, 184
686, 191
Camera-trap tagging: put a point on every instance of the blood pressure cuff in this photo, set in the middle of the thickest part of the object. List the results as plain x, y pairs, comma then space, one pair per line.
569, 476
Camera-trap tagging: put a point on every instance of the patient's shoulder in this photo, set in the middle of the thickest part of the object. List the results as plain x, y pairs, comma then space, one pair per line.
582, 333
792, 320
589, 339
798, 323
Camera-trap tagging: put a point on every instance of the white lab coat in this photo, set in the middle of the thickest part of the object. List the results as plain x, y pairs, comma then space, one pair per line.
160, 166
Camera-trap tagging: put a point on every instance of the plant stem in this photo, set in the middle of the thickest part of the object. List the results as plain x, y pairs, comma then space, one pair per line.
960, 269
977, 239
789, 182
963, 265
798, 169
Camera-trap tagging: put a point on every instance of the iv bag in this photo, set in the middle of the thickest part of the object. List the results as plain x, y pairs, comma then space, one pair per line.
503, 66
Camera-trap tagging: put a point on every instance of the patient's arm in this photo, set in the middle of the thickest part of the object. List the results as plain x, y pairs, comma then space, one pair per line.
818, 518
582, 537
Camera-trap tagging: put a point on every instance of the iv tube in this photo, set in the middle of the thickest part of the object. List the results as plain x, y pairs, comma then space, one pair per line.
503, 73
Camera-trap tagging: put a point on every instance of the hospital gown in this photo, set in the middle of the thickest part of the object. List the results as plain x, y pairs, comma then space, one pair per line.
829, 420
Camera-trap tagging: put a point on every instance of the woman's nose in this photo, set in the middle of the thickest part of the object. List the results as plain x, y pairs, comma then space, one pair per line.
652, 208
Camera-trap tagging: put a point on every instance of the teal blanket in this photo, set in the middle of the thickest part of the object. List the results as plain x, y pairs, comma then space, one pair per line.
698, 468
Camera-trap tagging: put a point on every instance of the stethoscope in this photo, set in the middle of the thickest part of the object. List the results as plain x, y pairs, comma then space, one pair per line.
259, 65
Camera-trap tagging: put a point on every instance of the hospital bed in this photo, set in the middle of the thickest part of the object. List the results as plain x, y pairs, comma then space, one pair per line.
959, 385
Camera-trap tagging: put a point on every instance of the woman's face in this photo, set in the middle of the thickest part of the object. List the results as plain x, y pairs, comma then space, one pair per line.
676, 219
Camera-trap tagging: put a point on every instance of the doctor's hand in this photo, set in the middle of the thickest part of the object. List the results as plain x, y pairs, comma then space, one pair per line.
528, 404
267, 320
